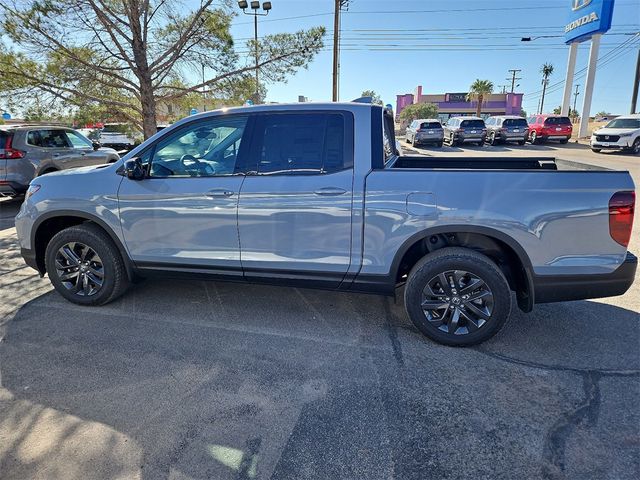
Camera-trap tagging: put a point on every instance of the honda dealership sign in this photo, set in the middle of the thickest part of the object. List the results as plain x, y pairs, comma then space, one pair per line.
587, 18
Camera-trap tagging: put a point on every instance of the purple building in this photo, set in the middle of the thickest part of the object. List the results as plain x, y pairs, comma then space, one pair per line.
455, 104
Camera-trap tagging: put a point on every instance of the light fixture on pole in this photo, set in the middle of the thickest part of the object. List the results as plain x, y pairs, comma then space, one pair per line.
255, 6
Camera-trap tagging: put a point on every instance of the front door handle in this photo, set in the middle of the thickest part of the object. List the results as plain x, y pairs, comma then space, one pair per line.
330, 191
219, 193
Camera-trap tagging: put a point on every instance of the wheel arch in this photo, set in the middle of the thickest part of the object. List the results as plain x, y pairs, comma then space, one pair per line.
49, 224
500, 247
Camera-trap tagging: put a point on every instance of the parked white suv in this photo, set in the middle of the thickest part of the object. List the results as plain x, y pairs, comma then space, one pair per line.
622, 133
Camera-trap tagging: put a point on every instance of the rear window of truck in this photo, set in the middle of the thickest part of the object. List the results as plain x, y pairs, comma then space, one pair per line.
557, 121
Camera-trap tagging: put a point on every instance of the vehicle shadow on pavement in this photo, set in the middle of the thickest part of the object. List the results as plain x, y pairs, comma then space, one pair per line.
191, 379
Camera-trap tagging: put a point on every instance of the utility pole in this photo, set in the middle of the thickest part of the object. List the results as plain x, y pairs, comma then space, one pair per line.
575, 99
503, 87
339, 5
514, 72
636, 86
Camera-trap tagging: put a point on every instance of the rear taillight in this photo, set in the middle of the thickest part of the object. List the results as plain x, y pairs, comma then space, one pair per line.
9, 152
621, 207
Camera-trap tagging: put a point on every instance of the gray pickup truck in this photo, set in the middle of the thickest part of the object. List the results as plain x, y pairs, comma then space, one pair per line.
316, 195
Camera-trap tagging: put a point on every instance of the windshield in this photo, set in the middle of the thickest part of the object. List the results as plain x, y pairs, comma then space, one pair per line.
624, 123
472, 124
515, 122
557, 121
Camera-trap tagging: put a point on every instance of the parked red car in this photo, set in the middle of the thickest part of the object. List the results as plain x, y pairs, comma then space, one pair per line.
549, 127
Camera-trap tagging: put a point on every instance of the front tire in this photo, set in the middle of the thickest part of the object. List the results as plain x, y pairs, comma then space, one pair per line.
85, 266
457, 297
533, 138
635, 148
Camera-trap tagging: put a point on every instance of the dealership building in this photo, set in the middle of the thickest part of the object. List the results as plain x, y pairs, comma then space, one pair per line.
455, 104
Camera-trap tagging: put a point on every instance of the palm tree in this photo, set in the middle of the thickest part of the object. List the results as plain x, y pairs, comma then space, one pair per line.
478, 91
546, 71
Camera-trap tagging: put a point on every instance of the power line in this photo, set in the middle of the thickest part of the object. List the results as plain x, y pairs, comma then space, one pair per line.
601, 64
622, 46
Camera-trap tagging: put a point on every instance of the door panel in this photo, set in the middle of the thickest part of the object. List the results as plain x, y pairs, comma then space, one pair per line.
296, 223
177, 221
294, 216
184, 215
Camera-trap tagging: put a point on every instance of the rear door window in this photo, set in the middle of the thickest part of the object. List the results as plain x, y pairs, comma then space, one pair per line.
303, 144
557, 121
48, 139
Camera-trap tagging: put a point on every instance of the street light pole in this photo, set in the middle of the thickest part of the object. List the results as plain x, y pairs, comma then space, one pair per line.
255, 6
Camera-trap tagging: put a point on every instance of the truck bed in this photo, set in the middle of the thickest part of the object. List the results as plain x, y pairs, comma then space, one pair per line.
477, 163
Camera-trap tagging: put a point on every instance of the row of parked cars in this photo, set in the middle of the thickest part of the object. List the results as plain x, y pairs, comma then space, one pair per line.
493, 130
621, 133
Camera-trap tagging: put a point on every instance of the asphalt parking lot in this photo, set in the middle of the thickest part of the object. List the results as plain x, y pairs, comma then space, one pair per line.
195, 380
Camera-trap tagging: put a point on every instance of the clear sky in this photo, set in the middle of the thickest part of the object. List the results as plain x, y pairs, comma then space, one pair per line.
391, 46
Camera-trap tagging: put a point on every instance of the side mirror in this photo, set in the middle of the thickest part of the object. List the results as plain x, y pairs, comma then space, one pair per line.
96, 145
132, 169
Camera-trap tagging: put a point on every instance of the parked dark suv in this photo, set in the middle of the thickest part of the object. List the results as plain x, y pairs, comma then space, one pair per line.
29, 151
460, 130
507, 129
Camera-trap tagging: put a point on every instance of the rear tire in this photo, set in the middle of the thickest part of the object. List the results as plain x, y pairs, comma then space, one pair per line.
596, 150
492, 139
565, 140
472, 308
85, 266
439, 144
521, 142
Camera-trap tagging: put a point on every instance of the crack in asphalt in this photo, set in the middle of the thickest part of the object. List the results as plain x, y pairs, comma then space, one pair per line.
392, 333
557, 436
586, 412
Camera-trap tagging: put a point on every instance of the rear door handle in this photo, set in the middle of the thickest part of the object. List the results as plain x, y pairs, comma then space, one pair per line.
330, 191
219, 193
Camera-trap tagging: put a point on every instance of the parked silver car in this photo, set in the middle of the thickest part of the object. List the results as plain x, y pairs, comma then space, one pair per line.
460, 130
29, 151
425, 130
509, 128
